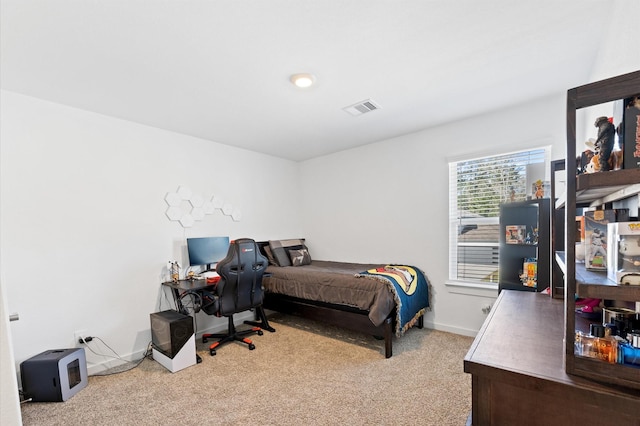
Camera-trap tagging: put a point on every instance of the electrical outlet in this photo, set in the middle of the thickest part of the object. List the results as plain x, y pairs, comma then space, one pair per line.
79, 334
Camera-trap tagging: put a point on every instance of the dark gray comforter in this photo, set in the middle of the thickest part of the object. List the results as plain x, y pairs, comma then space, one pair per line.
333, 282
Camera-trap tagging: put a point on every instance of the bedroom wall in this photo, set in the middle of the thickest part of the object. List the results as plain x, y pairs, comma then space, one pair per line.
85, 239
388, 202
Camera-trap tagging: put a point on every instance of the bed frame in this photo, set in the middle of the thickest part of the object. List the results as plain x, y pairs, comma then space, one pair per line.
338, 315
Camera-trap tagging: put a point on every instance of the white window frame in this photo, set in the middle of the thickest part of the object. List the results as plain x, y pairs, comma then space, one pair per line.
454, 284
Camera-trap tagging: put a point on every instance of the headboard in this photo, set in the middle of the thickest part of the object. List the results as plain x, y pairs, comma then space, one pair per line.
261, 245
277, 251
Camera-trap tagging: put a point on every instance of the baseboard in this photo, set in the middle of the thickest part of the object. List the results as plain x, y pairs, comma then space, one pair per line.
96, 368
450, 329
220, 327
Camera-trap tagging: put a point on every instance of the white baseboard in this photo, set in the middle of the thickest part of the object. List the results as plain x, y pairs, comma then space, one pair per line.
94, 368
450, 329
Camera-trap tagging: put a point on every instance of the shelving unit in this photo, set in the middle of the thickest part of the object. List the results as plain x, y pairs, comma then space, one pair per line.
595, 189
557, 233
533, 214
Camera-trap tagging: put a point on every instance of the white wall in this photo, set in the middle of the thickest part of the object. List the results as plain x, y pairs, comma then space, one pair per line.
388, 202
619, 51
84, 236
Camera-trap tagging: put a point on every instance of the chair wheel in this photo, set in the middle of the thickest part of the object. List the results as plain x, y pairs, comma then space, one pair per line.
260, 333
251, 346
212, 352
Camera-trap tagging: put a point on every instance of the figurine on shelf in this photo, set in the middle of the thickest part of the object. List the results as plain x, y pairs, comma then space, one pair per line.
528, 239
598, 245
629, 252
605, 141
539, 189
589, 160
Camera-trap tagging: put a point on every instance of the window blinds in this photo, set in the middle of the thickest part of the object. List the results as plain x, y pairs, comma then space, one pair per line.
477, 187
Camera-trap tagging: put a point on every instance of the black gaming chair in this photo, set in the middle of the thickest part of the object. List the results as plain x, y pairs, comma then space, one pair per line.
239, 290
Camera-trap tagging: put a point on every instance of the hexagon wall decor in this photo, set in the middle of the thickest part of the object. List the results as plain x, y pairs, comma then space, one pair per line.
188, 208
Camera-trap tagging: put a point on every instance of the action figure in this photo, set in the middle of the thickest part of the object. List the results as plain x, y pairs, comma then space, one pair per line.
605, 141
598, 245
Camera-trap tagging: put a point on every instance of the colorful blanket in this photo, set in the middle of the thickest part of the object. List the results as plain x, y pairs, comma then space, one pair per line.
410, 288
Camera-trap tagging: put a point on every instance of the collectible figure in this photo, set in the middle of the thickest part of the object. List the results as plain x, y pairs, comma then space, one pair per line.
624, 252
630, 250
539, 189
604, 143
597, 242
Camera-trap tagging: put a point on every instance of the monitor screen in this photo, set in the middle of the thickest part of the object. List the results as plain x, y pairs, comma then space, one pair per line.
207, 251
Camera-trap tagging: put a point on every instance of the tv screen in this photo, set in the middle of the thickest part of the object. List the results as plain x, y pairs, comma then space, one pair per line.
207, 251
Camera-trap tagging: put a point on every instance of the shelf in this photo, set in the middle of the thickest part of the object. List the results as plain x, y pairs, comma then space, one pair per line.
606, 187
619, 374
595, 189
530, 214
595, 284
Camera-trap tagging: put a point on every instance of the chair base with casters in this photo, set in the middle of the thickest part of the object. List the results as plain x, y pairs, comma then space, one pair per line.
231, 336
263, 323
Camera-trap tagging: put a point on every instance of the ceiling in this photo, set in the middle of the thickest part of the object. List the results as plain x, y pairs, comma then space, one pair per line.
219, 70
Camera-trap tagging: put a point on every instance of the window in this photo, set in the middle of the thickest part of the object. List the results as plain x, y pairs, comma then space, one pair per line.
477, 187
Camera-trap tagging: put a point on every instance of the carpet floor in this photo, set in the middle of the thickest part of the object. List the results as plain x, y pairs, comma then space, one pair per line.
305, 373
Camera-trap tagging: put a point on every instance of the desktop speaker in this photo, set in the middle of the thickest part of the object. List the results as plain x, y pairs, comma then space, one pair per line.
170, 331
54, 375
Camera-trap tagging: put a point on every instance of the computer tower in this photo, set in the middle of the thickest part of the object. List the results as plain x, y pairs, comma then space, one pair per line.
54, 375
173, 340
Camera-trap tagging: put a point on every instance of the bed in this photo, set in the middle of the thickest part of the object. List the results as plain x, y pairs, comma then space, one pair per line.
377, 299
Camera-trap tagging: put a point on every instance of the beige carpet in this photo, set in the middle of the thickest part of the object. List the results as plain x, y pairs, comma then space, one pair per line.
305, 373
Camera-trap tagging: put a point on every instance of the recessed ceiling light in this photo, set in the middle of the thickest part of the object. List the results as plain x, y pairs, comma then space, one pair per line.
303, 80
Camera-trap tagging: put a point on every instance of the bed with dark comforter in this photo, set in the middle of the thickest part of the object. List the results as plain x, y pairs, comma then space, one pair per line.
381, 300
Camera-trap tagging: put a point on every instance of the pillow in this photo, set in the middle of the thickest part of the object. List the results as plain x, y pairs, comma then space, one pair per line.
279, 249
267, 252
299, 257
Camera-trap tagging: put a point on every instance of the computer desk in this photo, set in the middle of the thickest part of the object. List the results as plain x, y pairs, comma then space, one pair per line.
179, 287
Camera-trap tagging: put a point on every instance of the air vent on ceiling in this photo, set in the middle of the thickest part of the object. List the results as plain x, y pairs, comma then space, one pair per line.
362, 107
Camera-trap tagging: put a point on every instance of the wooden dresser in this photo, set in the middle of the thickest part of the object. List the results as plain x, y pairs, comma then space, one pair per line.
518, 375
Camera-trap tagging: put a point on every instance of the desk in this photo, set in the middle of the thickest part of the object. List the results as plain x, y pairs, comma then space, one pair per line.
518, 376
180, 287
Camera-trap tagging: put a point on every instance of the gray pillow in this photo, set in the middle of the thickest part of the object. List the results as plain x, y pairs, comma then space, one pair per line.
299, 257
267, 251
280, 249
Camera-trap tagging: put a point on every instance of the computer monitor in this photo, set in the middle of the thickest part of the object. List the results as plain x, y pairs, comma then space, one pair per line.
207, 251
